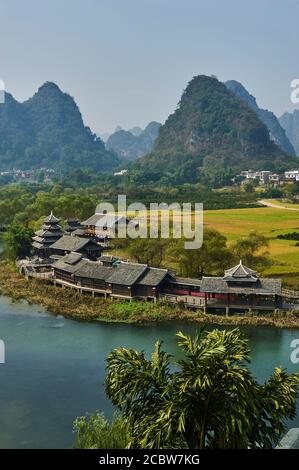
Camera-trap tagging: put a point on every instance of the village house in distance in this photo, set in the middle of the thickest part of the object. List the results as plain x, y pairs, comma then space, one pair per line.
271, 178
74, 258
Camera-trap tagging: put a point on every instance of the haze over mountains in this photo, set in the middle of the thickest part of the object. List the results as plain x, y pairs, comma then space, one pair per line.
277, 132
48, 131
290, 122
211, 129
135, 142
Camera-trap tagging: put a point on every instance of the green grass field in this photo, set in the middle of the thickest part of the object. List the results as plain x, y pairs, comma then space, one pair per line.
268, 221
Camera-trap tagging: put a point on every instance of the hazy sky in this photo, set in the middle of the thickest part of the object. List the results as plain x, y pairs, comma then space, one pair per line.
127, 61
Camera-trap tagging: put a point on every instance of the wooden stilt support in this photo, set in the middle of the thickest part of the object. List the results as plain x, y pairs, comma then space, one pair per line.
227, 307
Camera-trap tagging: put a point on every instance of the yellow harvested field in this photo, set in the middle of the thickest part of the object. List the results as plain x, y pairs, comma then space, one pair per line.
270, 222
235, 223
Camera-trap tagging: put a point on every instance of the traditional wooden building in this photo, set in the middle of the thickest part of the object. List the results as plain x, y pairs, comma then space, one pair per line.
104, 226
241, 288
67, 244
121, 280
65, 267
79, 262
151, 283
48, 234
72, 224
93, 275
183, 286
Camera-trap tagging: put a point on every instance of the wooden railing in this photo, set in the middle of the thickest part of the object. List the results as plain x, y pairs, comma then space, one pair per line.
290, 294
37, 275
186, 300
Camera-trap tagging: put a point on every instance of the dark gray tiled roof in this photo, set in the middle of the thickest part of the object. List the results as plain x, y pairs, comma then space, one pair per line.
71, 227
107, 258
54, 228
239, 273
72, 220
45, 241
37, 245
105, 220
262, 286
153, 277
69, 243
69, 268
51, 219
72, 258
79, 232
188, 281
126, 273
94, 270
47, 233
39, 239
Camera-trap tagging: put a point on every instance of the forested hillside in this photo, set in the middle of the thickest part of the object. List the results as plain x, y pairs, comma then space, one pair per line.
48, 131
211, 135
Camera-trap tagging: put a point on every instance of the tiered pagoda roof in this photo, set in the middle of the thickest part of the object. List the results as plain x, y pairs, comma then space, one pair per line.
49, 233
72, 224
240, 273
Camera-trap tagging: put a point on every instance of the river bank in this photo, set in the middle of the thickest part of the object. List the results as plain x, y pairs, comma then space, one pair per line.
71, 304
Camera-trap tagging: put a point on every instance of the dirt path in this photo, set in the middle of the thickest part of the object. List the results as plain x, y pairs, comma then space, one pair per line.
277, 206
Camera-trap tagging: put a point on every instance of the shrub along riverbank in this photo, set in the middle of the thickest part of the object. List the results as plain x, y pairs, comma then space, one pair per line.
71, 304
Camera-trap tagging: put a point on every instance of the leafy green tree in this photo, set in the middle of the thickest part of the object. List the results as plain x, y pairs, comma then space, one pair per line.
93, 431
18, 240
40, 177
248, 187
248, 249
212, 257
291, 190
148, 251
209, 400
273, 193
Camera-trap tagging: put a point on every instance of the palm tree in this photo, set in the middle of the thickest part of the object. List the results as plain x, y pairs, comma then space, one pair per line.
207, 399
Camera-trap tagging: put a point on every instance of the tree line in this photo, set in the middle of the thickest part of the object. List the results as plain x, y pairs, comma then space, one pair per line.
212, 258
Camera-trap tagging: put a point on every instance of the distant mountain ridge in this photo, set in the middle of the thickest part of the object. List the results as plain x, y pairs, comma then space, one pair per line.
290, 122
136, 130
134, 143
211, 131
47, 130
277, 132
